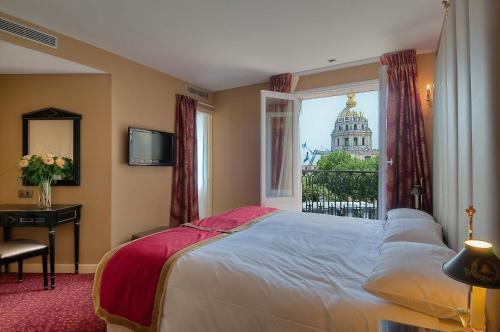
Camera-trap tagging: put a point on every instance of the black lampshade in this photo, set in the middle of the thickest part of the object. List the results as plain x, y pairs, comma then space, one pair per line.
476, 264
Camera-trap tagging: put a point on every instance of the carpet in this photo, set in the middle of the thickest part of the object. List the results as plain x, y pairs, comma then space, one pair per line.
26, 306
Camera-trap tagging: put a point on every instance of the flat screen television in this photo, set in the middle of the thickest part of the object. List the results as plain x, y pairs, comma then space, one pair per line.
150, 147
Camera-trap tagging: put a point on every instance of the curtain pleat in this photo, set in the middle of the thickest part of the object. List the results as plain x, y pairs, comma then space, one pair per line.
406, 144
185, 185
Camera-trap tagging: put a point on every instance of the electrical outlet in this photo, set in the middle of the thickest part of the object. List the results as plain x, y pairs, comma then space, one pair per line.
25, 193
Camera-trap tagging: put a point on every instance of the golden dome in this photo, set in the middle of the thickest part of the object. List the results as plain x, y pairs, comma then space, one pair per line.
351, 101
349, 113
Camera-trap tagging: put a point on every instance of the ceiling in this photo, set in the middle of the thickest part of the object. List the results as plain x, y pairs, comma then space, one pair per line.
220, 44
21, 60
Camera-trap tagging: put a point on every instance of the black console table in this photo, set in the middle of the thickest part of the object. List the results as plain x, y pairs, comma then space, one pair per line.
22, 215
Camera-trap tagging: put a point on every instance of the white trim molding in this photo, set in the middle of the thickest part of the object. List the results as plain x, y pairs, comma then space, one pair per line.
338, 90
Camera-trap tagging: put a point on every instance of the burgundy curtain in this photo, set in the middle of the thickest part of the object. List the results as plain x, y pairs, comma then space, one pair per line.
278, 83
185, 185
406, 144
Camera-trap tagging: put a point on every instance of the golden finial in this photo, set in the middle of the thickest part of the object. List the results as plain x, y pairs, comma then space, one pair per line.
470, 211
351, 102
470, 214
446, 5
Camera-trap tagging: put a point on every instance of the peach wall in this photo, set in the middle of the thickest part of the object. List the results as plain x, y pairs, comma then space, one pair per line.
140, 96
340, 76
425, 65
236, 135
236, 147
88, 95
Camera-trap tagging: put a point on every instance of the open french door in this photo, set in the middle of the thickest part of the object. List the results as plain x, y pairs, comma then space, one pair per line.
280, 160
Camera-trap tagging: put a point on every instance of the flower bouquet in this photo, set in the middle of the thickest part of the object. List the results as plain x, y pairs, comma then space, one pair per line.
43, 171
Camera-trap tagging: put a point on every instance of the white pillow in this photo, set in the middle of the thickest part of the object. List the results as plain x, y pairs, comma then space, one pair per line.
408, 213
413, 230
410, 274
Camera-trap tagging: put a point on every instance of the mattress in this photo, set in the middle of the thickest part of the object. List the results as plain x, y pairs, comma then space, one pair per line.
289, 272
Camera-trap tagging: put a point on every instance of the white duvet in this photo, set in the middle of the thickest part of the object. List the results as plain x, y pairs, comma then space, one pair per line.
289, 272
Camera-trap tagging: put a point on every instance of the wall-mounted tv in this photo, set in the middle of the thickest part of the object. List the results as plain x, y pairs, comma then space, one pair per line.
150, 147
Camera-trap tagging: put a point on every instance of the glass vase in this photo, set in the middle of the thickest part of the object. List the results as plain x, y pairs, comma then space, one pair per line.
44, 194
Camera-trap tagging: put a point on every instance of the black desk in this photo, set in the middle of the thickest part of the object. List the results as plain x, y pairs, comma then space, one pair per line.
23, 215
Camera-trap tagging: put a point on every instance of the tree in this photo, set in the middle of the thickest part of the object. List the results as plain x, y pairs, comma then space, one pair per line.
343, 161
354, 179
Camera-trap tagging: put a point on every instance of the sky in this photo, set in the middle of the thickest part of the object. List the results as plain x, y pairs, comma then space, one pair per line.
318, 116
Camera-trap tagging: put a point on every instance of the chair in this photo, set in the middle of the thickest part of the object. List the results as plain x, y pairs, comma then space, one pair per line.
18, 250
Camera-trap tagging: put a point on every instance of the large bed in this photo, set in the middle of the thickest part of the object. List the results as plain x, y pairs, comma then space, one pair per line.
288, 272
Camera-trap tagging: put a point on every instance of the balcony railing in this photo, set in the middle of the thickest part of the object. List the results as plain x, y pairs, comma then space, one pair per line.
340, 193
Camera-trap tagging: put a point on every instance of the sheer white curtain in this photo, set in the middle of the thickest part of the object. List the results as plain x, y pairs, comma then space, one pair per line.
465, 154
204, 138
286, 175
452, 139
282, 122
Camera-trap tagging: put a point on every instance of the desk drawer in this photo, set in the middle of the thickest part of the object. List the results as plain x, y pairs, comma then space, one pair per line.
15, 220
31, 220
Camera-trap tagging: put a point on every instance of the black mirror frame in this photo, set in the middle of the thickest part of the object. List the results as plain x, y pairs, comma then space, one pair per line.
52, 113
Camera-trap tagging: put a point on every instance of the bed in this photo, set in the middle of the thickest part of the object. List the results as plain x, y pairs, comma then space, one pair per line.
288, 272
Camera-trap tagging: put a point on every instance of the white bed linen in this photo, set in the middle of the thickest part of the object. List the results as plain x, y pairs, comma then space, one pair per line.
289, 272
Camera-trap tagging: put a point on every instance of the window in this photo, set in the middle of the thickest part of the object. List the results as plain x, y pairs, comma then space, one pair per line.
326, 126
204, 141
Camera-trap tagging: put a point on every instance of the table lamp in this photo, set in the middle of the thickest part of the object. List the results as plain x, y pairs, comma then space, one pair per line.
477, 266
417, 191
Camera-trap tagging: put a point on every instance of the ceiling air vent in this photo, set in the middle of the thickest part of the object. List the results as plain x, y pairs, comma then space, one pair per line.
194, 91
25, 32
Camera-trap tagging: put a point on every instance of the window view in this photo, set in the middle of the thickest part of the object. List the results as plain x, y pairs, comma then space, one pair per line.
203, 130
339, 153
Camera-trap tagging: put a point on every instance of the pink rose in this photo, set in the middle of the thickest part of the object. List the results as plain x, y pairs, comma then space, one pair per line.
60, 162
24, 163
48, 160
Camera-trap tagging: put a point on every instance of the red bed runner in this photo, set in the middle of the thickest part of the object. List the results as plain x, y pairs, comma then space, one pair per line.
128, 284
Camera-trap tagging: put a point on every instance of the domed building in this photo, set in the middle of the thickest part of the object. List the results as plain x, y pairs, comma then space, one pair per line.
352, 132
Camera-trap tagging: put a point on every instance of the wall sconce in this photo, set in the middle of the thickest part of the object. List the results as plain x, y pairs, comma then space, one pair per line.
428, 99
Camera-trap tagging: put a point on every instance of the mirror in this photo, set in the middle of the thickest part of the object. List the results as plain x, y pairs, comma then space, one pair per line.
57, 132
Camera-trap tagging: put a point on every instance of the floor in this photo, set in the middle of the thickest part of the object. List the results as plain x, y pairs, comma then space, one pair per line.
27, 306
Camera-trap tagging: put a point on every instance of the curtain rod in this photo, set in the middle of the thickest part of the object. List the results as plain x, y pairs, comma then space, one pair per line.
206, 105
